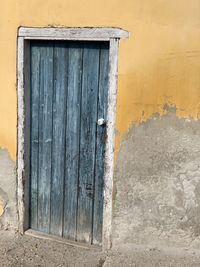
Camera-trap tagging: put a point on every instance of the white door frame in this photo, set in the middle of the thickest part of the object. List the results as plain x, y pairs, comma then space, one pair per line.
90, 34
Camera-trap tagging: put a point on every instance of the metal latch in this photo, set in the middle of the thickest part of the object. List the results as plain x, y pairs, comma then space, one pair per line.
101, 121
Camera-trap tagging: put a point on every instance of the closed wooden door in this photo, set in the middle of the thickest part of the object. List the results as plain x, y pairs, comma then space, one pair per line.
68, 92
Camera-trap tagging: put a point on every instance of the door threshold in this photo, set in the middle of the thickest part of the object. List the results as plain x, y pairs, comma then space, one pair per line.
61, 240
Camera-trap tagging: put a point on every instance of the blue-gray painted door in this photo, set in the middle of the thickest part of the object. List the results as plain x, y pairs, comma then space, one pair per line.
68, 89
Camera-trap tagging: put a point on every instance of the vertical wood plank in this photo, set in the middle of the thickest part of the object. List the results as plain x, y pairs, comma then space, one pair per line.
20, 134
109, 152
87, 141
100, 144
58, 145
45, 136
72, 139
67, 147
27, 132
35, 80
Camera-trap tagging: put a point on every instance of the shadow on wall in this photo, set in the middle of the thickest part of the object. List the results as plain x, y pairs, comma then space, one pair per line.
158, 183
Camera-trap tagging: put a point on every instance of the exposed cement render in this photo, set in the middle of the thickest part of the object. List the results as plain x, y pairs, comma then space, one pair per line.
157, 180
8, 214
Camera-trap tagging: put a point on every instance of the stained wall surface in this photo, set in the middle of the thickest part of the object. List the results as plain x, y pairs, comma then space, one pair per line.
157, 178
159, 65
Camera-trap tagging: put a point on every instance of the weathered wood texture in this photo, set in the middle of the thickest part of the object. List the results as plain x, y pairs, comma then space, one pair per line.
72, 140
73, 33
35, 86
58, 137
69, 84
20, 135
87, 141
109, 151
100, 144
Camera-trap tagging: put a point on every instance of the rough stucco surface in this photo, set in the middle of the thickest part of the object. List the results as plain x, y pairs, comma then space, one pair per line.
158, 184
8, 215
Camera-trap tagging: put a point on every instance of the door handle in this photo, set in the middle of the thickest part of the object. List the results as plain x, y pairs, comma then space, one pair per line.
101, 121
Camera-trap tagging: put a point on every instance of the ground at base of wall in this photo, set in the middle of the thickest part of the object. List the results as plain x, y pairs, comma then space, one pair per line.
26, 251
141, 256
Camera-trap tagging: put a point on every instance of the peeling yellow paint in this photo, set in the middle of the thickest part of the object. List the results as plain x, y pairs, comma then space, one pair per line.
158, 65
1, 210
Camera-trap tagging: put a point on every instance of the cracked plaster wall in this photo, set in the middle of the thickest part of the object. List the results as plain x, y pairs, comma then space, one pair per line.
157, 178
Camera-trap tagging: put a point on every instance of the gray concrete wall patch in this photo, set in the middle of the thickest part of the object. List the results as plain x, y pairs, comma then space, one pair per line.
158, 183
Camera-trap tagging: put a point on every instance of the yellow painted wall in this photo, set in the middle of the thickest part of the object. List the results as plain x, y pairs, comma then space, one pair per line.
159, 64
